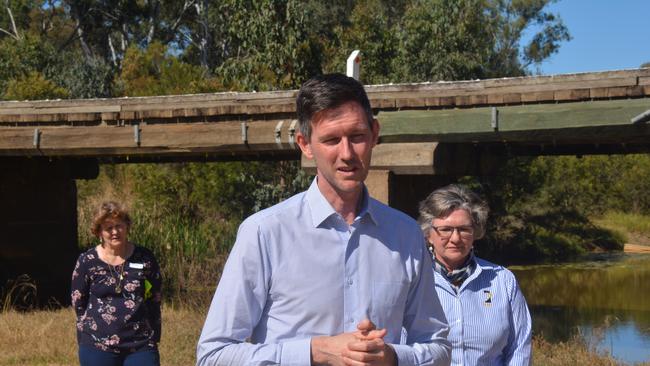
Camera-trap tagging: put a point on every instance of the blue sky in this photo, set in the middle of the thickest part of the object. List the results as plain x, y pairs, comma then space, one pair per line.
607, 35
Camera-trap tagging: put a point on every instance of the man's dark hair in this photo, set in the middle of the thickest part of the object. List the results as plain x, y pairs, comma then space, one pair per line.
326, 92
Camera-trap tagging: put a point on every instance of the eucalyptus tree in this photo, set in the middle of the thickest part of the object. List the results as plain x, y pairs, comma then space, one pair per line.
427, 40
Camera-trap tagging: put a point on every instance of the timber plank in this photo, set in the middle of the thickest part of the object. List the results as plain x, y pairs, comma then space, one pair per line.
635, 91
382, 103
17, 138
512, 98
495, 99
86, 117
432, 102
58, 103
190, 103
447, 101
410, 102
102, 140
510, 85
400, 158
520, 123
617, 92
70, 109
109, 116
224, 97
480, 99
598, 93
462, 100
537, 96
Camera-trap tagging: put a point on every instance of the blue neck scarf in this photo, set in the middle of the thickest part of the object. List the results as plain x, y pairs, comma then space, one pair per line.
457, 276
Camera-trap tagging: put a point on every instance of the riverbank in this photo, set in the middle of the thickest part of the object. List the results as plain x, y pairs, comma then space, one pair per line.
48, 338
636, 248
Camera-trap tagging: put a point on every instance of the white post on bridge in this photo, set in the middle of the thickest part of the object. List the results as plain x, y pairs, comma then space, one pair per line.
354, 60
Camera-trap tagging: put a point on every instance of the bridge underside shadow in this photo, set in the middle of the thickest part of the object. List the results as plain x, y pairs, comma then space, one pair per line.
38, 226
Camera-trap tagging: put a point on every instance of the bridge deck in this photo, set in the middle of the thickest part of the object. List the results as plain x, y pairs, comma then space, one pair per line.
539, 114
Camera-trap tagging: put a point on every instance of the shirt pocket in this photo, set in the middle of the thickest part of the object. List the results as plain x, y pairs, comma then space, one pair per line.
388, 303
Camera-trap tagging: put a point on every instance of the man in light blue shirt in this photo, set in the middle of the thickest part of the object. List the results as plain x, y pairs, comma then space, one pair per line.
329, 276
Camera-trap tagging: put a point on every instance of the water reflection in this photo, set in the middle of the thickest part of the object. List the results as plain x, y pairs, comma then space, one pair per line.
606, 297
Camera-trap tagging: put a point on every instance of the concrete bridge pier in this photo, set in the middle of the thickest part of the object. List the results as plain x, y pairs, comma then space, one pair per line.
38, 227
423, 168
404, 192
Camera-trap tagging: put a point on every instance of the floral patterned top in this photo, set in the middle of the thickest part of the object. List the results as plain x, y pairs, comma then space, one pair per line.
118, 307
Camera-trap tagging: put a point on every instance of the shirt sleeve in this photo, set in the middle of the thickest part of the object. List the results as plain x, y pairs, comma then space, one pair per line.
237, 307
80, 287
518, 351
155, 301
425, 324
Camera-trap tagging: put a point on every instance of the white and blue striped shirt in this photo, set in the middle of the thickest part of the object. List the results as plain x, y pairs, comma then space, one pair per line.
488, 318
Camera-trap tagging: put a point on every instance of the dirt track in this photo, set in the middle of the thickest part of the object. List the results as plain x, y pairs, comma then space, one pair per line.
636, 248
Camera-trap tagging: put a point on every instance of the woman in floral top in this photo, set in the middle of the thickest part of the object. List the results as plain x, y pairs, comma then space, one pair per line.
116, 295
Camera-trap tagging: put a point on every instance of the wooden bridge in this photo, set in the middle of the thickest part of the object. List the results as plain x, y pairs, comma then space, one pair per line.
430, 133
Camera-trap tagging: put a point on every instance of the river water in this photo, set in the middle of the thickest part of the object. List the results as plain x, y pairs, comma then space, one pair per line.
605, 298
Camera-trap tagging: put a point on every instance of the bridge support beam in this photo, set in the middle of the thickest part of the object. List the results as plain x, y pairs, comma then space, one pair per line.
38, 226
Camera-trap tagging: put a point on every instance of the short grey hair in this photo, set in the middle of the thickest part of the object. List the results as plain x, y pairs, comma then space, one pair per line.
443, 201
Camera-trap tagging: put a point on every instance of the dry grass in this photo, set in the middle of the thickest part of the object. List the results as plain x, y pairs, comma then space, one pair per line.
181, 332
574, 352
43, 338
38, 338
48, 338
634, 227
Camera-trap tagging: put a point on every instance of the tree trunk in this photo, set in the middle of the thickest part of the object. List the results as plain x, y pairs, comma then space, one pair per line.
206, 37
153, 20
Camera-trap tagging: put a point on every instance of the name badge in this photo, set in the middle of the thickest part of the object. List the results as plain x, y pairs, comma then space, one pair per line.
136, 265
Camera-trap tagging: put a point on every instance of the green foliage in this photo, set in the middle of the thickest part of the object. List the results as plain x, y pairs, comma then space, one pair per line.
445, 40
153, 48
425, 40
541, 206
188, 213
33, 87
154, 72
20, 12
626, 223
20, 57
595, 184
85, 77
510, 19
372, 31
544, 234
267, 45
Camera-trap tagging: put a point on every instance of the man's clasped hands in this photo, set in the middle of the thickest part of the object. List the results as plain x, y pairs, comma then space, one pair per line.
365, 346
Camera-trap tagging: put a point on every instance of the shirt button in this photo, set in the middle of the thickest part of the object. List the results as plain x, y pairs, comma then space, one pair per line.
350, 281
350, 320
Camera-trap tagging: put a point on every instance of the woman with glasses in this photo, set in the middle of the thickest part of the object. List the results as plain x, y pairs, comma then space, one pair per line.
116, 293
488, 317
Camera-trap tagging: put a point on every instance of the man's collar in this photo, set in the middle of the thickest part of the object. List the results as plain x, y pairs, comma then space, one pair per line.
321, 209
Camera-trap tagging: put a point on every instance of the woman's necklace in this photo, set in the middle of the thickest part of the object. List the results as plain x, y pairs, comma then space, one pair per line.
118, 276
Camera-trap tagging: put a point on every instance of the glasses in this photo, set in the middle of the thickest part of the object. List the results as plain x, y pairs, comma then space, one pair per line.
109, 227
445, 232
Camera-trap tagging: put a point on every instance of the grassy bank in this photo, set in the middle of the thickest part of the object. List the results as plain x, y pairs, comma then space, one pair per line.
635, 228
48, 338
